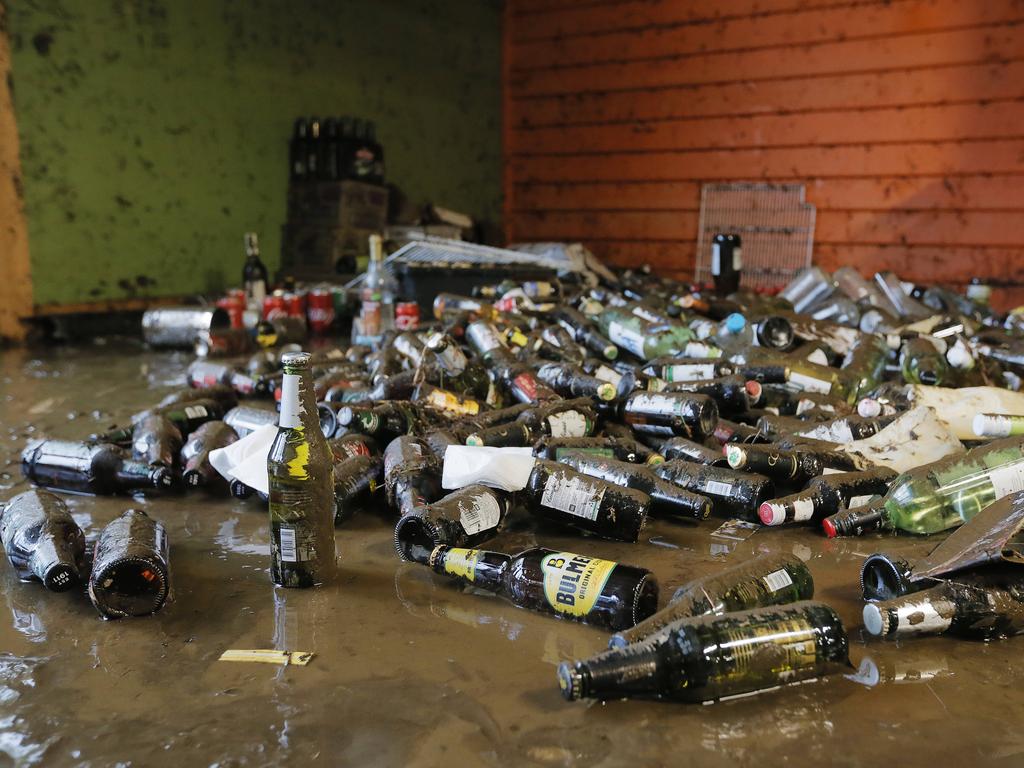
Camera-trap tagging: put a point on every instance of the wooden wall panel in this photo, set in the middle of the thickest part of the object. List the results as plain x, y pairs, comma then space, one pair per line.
903, 118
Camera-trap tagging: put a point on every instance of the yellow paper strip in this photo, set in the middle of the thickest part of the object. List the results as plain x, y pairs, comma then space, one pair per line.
299, 658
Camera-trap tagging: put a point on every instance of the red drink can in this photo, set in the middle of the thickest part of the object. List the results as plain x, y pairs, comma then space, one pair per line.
295, 304
407, 316
274, 306
234, 308
320, 310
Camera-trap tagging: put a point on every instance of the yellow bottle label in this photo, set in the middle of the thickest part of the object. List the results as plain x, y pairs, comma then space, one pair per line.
450, 402
572, 583
461, 562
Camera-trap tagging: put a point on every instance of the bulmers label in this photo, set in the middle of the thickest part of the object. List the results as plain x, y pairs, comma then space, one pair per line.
461, 562
572, 583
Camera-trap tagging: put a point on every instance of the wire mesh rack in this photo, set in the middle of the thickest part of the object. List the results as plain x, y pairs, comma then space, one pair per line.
775, 222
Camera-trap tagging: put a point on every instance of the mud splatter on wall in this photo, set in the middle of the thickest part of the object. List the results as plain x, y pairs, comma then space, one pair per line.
153, 133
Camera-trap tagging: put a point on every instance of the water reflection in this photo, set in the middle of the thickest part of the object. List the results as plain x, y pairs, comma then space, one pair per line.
16, 740
905, 668
25, 619
252, 543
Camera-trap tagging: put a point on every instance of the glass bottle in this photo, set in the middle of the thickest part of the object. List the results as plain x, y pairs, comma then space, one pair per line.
42, 540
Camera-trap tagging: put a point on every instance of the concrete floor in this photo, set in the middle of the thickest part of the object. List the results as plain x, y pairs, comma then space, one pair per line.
408, 669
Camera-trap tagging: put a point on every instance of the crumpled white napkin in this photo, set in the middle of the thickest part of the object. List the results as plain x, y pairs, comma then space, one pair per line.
246, 459
505, 468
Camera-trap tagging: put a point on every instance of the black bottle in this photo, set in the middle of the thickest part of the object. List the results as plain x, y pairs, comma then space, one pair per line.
131, 574
42, 540
731, 492
726, 263
313, 141
688, 450
97, 469
412, 474
733, 394
156, 441
670, 413
826, 495
592, 591
584, 332
570, 381
356, 480
464, 518
789, 467
197, 471
609, 447
254, 274
328, 163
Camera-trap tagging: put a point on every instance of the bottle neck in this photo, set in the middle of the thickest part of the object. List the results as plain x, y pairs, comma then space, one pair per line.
480, 568
613, 674
296, 398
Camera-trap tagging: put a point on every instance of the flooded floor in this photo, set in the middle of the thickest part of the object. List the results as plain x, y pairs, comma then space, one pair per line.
408, 669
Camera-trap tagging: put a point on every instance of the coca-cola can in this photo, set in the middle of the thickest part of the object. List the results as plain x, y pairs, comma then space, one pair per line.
407, 315
234, 305
320, 310
295, 304
274, 306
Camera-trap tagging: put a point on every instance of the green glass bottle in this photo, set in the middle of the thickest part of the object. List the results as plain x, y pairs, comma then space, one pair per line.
715, 657
637, 336
944, 494
301, 485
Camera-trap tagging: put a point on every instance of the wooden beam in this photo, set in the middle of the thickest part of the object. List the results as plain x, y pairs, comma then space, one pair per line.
108, 305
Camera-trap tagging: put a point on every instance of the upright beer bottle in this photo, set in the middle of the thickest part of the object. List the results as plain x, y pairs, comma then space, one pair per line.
301, 485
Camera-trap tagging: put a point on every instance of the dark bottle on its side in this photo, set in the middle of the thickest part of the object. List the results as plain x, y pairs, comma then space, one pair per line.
131, 573
42, 540
826, 495
670, 413
732, 394
726, 263
714, 657
356, 479
197, 471
765, 580
792, 467
412, 474
611, 447
731, 492
156, 441
464, 518
97, 469
688, 450
585, 589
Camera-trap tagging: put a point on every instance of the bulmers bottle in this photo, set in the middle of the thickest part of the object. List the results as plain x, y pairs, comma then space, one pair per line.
715, 657
42, 540
765, 580
300, 467
586, 589
99, 469
131, 573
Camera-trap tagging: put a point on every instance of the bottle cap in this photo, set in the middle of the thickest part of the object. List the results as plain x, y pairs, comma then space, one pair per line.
875, 620
295, 359
606, 391
61, 577
754, 390
772, 513
570, 681
735, 455
735, 322
869, 408
991, 425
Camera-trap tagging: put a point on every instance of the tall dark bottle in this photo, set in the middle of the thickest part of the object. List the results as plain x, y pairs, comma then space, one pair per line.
195, 454
98, 469
254, 273
301, 485
726, 263
131, 572
586, 589
42, 540
715, 657
313, 140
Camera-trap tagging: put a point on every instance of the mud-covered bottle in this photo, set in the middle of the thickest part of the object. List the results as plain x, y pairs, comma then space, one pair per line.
562, 494
782, 466
584, 332
731, 492
412, 474
670, 413
709, 658
921, 362
765, 580
680, 369
558, 418
464, 518
570, 381
603, 593
384, 420
245, 419
666, 498
946, 493
621, 448
197, 472
97, 469
42, 540
980, 605
131, 571
156, 441
826, 495
688, 450
732, 394
356, 479
299, 465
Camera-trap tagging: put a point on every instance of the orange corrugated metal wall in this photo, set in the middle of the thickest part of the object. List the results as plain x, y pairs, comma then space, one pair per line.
903, 118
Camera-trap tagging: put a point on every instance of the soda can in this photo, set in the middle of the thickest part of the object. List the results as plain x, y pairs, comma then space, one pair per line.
320, 310
295, 304
180, 326
234, 308
274, 306
407, 316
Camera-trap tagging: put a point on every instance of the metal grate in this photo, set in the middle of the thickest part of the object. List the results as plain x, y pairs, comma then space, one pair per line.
775, 222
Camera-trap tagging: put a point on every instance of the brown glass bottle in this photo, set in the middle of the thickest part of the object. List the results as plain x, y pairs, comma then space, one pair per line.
731, 492
825, 496
42, 540
670, 413
412, 474
97, 469
131, 574
195, 454
464, 518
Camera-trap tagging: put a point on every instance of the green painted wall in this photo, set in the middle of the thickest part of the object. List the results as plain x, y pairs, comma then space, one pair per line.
154, 132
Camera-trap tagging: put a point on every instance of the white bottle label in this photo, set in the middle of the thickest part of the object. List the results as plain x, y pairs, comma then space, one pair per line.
717, 488
626, 338
780, 579
697, 349
737, 258
604, 373
291, 407
716, 259
691, 372
809, 383
575, 495
803, 509
195, 411
1008, 479
289, 552
568, 424
484, 514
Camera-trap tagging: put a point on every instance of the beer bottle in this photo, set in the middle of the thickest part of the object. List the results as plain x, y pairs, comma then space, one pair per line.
245, 419
447, 401
602, 593
621, 448
688, 450
765, 580
846, 429
922, 363
709, 658
356, 479
867, 358
563, 343
465, 518
561, 418
131, 572
775, 332
826, 495
678, 369
732, 394
412, 474
223, 394
564, 495
786, 467
195, 454
100, 469
731, 492
254, 273
584, 332
204, 374
385, 420
570, 381
946, 493
42, 540
156, 441
641, 339
857, 520
666, 498
726, 263
670, 413
731, 432
299, 464
355, 444
980, 605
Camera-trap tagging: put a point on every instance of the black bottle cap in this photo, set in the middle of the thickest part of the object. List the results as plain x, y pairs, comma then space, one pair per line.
856, 521
61, 577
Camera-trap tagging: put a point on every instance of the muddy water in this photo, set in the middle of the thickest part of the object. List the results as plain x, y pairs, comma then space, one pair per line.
409, 670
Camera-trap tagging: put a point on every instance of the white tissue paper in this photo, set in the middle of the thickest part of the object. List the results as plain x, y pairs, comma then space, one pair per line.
246, 459
505, 468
